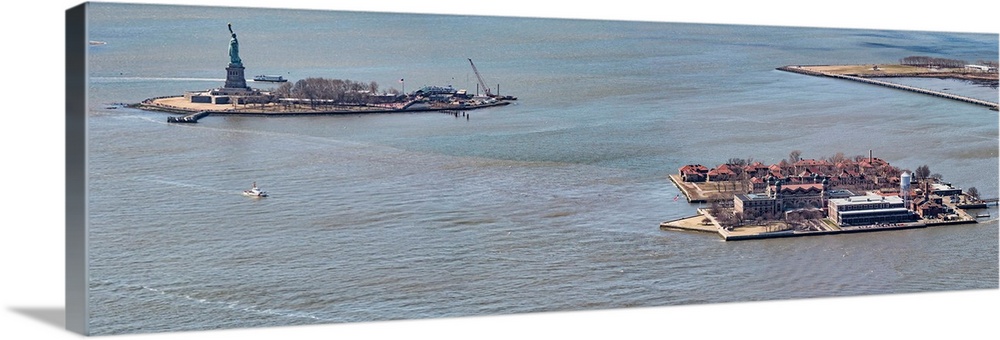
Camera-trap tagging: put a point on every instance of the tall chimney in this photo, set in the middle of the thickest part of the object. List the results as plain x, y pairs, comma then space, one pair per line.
870, 158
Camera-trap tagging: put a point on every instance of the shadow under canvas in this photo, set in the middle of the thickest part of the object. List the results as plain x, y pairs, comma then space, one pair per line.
54, 316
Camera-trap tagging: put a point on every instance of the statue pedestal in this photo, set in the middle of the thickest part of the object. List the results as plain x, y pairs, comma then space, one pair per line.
235, 79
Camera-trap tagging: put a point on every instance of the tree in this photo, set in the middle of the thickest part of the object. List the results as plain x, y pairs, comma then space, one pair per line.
329, 91
893, 171
786, 169
773, 216
922, 172
284, 90
931, 61
745, 184
972, 192
795, 219
706, 221
794, 156
715, 206
837, 158
725, 220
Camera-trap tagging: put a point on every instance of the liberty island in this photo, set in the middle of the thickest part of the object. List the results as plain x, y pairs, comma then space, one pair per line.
312, 96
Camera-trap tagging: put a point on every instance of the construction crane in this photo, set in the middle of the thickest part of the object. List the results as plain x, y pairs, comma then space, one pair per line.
481, 82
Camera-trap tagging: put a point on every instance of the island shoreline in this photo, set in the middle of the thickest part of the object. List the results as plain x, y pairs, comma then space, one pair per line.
156, 104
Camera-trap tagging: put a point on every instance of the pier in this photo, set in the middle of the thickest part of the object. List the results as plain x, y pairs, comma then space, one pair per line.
800, 70
917, 90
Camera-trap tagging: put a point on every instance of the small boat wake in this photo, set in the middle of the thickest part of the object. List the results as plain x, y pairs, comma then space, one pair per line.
991, 220
145, 79
171, 182
180, 297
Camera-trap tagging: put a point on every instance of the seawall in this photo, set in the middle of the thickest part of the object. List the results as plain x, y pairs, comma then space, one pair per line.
693, 223
178, 105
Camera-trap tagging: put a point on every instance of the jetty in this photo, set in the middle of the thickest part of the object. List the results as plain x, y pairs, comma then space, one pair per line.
191, 118
867, 79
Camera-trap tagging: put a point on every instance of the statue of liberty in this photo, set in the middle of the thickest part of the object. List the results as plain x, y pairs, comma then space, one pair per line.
234, 49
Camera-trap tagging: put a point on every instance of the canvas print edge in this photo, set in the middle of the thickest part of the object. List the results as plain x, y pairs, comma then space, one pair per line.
76, 170
75, 141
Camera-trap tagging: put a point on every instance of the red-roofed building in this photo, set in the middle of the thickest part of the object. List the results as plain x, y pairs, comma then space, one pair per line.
815, 166
779, 170
871, 166
849, 178
693, 173
757, 169
780, 198
927, 207
847, 164
722, 173
756, 185
799, 196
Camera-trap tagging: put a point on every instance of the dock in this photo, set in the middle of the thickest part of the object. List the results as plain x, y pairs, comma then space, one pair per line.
989, 104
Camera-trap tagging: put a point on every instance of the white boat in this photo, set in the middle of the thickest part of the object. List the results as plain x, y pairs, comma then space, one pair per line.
254, 191
273, 79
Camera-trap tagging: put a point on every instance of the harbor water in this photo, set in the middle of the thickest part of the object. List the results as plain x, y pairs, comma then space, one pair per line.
552, 203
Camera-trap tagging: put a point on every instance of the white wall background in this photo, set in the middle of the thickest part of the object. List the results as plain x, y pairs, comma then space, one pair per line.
32, 190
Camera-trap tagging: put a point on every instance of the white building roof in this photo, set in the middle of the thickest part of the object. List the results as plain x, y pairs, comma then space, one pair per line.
867, 199
852, 213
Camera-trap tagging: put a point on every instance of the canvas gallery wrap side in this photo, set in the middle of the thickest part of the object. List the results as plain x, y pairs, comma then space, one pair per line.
269, 167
